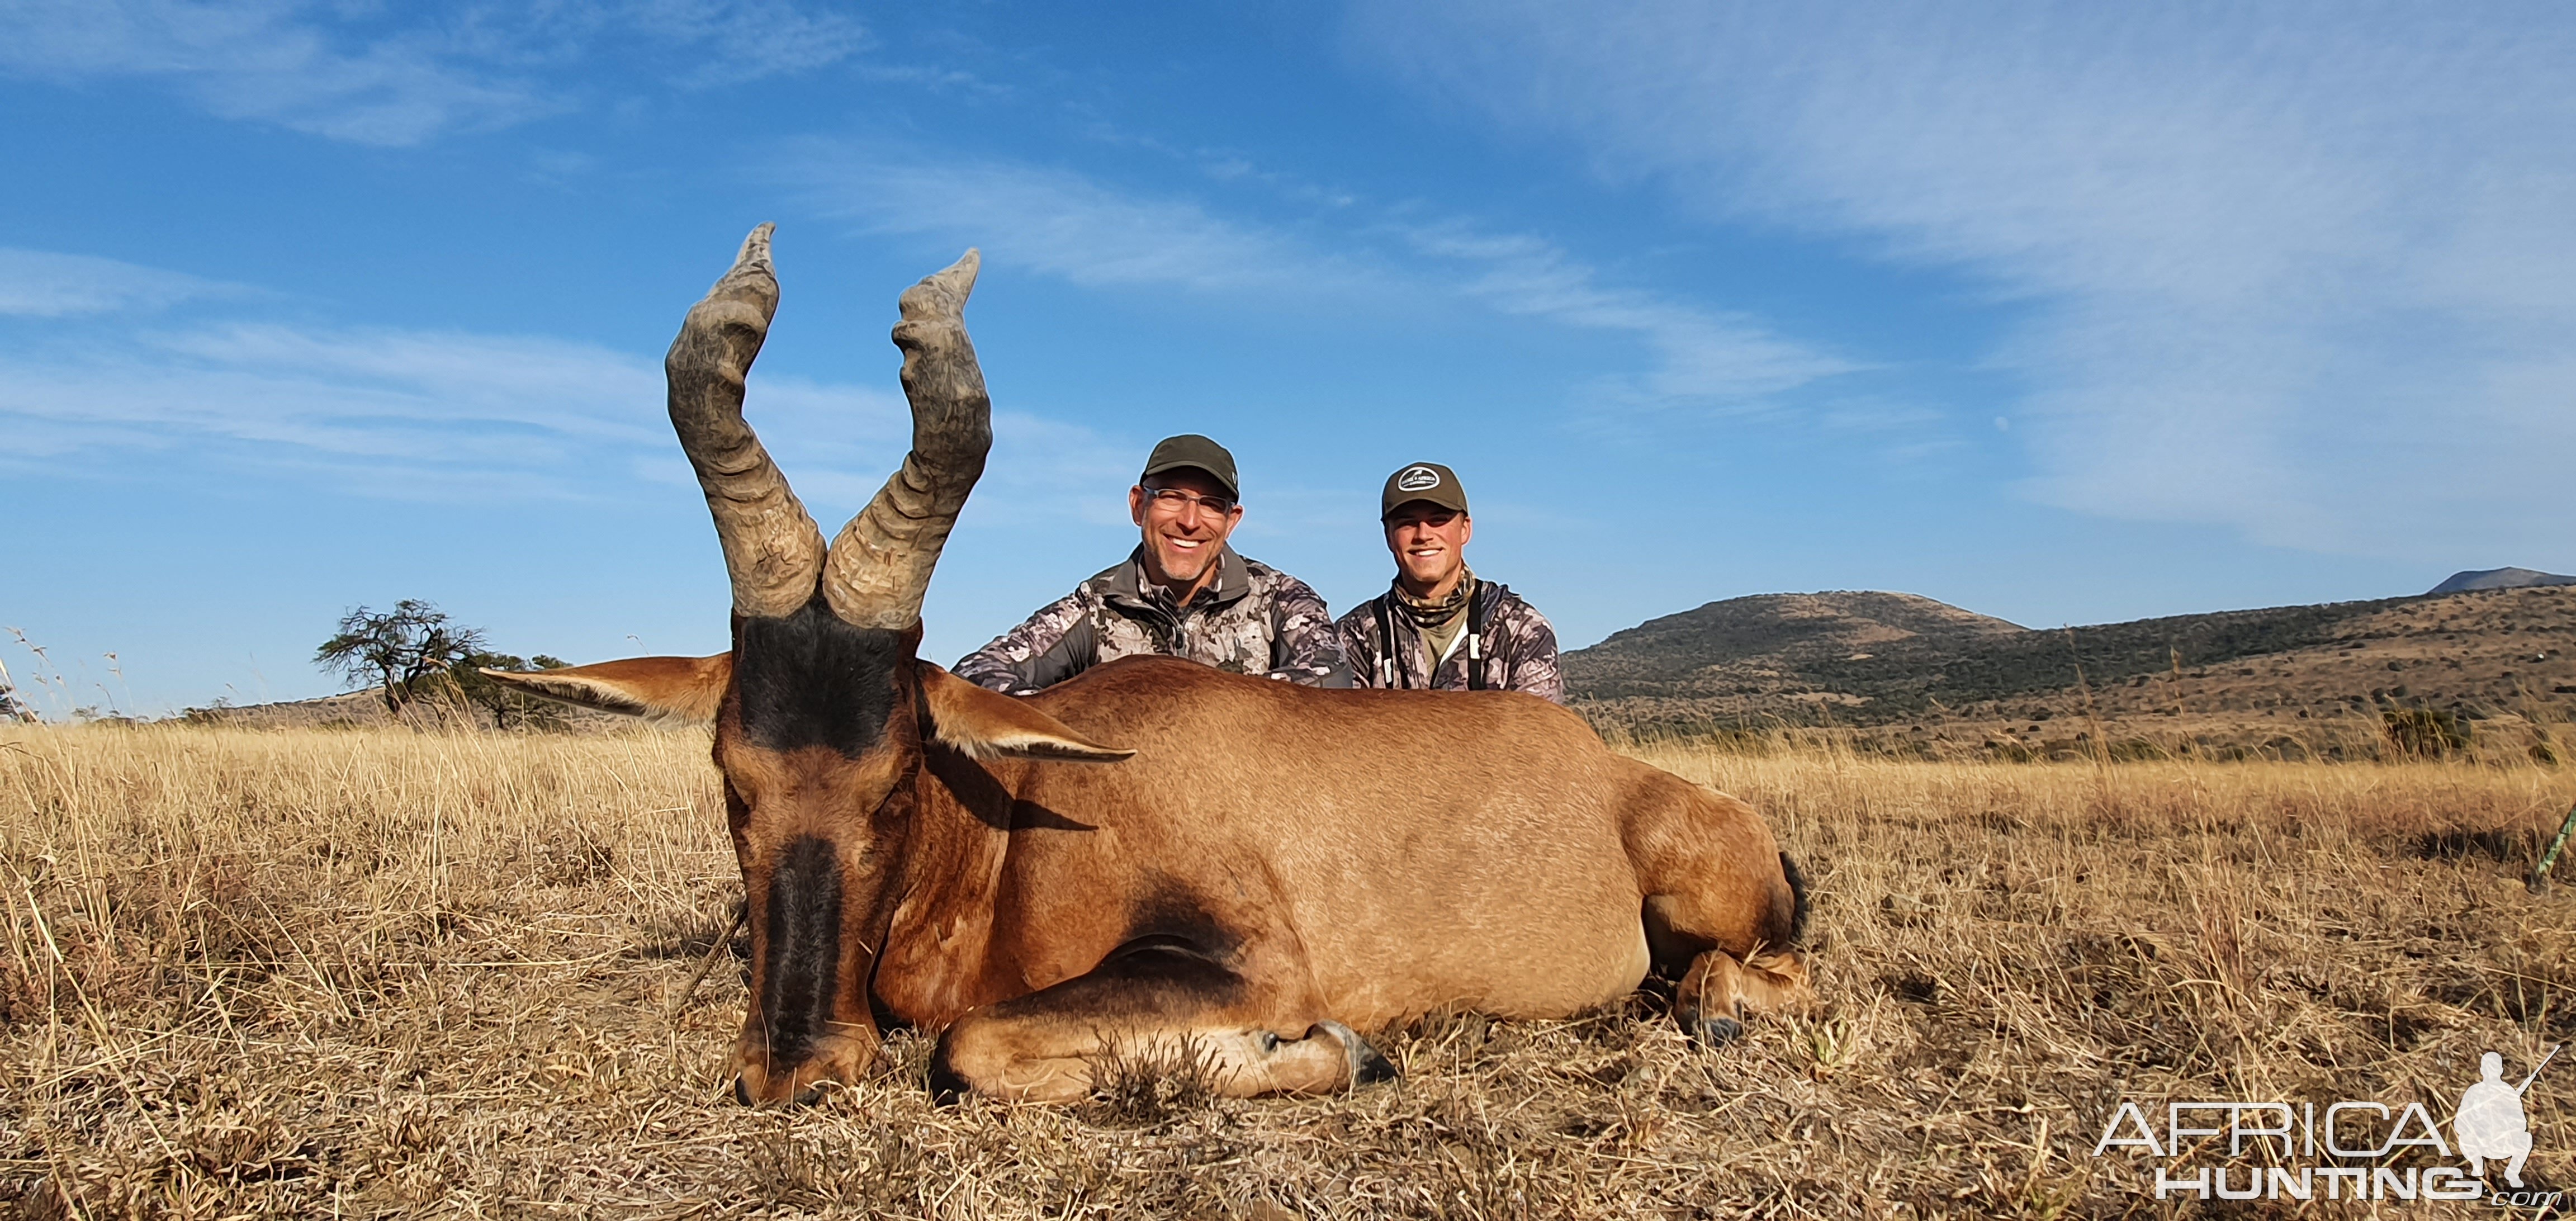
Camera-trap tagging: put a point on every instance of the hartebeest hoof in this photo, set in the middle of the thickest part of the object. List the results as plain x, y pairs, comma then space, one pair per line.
947, 1088
1710, 1027
1367, 1066
1715, 1032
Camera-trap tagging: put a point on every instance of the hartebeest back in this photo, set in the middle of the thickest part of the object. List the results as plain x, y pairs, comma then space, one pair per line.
1257, 869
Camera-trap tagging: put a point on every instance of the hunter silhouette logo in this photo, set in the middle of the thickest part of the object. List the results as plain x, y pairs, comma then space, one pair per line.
2491, 1124
1417, 479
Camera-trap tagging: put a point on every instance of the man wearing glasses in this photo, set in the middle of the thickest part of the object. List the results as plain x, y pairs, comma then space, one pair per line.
1183, 593
1440, 628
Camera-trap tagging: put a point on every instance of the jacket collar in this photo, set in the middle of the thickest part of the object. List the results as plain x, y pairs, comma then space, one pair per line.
1126, 582
1487, 597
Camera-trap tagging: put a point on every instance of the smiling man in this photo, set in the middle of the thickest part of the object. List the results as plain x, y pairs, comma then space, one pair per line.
1440, 627
1183, 593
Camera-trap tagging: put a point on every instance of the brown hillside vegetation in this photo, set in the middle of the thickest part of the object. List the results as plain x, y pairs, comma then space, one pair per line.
365, 709
1747, 645
375, 973
2294, 681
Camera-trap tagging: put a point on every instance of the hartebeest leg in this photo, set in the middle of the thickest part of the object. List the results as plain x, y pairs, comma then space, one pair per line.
1722, 906
1161, 1002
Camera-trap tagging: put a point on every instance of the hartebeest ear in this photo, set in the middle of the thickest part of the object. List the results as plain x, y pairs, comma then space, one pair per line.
686, 689
983, 724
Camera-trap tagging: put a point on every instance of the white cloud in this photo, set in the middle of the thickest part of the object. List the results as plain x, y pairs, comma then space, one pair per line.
2304, 271
351, 73
434, 404
1073, 226
1702, 359
46, 284
460, 417
743, 40
1061, 223
277, 62
416, 414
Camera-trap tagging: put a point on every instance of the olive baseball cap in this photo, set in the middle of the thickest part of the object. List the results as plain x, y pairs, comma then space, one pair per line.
1192, 450
1422, 481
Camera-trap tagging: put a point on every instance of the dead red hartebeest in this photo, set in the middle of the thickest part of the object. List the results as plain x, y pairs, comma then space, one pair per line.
1155, 855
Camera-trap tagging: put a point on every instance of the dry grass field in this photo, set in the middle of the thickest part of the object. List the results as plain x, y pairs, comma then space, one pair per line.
386, 973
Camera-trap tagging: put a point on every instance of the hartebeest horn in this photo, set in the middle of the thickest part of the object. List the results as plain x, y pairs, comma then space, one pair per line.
879, 567
772, 549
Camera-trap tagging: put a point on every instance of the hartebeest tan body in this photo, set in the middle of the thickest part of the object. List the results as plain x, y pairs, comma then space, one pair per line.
1155, 855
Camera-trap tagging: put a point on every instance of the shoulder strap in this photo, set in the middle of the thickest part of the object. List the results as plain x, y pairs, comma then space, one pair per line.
1390, 668
1476, 638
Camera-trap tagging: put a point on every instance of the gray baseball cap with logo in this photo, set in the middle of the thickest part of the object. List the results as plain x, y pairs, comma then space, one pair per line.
1196, 452
1422, 481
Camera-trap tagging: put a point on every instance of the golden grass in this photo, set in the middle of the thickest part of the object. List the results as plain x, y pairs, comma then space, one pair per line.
371, 973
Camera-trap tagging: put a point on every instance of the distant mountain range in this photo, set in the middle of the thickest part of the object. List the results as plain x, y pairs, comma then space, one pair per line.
1877, 659
2498, 578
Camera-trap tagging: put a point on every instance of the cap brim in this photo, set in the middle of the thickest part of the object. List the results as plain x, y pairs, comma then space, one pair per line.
1435, 502
1169, 467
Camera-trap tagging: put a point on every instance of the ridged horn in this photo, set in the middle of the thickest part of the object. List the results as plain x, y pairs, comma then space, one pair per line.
879, 567
772, 549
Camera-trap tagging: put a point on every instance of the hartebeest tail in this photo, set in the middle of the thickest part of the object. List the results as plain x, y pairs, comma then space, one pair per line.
1261, 868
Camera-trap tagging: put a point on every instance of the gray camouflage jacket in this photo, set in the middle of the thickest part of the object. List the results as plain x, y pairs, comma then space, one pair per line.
1253, 619
1518, 644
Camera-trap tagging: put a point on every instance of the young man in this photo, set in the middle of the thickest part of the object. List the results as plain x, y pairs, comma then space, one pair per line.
1182, 593
1440, 627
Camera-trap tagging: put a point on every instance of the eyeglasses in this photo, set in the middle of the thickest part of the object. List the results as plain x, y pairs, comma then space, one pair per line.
1174, 501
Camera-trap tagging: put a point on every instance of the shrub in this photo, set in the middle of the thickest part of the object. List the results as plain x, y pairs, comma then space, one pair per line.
2424, 733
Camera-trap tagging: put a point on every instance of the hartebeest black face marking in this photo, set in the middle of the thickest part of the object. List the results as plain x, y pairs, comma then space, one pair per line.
822, 736
812, 680
804, 945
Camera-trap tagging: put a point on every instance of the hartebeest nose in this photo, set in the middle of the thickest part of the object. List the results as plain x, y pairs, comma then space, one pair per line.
801, 1086
811, 1094
835, 1060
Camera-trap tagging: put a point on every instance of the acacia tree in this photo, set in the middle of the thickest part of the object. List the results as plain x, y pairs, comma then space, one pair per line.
397, 649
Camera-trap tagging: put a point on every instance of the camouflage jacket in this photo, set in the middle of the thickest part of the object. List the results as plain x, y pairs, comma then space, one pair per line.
1517, 643
1253, 619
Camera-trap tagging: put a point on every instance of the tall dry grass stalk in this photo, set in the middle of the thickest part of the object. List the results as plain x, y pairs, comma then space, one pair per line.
384, 973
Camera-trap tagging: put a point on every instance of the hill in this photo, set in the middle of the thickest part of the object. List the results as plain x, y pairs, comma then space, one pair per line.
2498, 578
1745, 643
1869, 660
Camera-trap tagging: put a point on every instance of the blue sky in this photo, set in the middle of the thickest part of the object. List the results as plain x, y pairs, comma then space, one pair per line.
2061, 313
